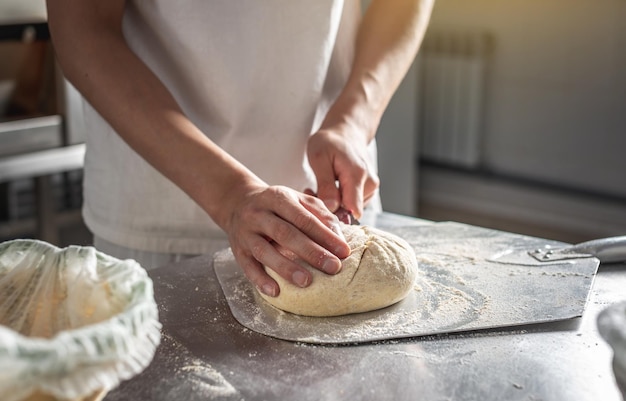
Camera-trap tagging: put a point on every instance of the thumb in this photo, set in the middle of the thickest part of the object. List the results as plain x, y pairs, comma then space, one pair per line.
327, 189
328, 192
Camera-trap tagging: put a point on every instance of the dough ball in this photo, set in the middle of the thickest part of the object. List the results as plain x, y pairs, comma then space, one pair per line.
380, 271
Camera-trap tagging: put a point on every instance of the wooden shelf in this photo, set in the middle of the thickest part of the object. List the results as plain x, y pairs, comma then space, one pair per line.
24, 31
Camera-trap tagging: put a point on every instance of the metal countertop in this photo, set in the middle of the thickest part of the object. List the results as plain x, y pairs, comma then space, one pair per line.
205, 354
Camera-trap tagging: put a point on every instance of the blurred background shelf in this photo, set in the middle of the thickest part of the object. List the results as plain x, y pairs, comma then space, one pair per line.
41, 140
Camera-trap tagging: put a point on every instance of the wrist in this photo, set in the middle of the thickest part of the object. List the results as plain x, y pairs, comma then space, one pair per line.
234, 194
356, 110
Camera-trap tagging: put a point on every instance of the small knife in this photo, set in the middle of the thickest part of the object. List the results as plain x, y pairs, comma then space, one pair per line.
346, 216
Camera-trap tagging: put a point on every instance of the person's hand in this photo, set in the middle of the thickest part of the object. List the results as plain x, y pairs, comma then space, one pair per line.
270, 225
339, 159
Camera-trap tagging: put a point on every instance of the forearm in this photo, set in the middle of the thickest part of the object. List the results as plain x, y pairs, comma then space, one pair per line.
259, 219
96, 59
387, 43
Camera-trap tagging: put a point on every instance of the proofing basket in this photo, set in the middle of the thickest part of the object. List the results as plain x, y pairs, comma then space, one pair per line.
74, 322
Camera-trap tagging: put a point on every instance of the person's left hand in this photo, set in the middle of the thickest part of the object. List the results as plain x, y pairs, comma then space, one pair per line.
345, 177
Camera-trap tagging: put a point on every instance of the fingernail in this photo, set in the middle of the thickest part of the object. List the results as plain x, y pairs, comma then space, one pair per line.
268, 290
331, 266
341, 252
300, 279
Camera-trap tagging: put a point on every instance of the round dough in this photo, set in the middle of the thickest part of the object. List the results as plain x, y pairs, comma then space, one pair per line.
380, 271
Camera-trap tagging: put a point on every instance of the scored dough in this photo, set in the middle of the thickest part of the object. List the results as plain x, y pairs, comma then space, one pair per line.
380, 271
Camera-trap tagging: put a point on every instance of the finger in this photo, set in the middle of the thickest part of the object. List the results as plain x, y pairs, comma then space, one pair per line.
256, 274
352, 195
327, 189
263, 253
310, 240
371, 187
329, 194
329, 221
336, 244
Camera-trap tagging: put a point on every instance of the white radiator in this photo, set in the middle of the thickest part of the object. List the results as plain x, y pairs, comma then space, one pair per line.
452, 76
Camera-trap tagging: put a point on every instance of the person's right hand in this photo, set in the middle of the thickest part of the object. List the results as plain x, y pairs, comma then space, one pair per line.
267, 223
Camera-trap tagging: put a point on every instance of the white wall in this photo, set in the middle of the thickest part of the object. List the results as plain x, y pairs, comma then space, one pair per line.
397, 149
22, 10
556, 107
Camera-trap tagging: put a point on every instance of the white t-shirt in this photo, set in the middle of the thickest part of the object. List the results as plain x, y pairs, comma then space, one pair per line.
256, 77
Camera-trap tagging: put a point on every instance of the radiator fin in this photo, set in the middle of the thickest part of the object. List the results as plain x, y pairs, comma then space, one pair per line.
453, 69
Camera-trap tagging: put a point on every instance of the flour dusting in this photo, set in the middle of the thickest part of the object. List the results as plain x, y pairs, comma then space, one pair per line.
191, 378
460, 288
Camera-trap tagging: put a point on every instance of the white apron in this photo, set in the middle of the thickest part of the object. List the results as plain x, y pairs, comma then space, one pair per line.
255, 76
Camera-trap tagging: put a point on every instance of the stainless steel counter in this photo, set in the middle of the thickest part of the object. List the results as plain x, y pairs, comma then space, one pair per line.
205, 354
